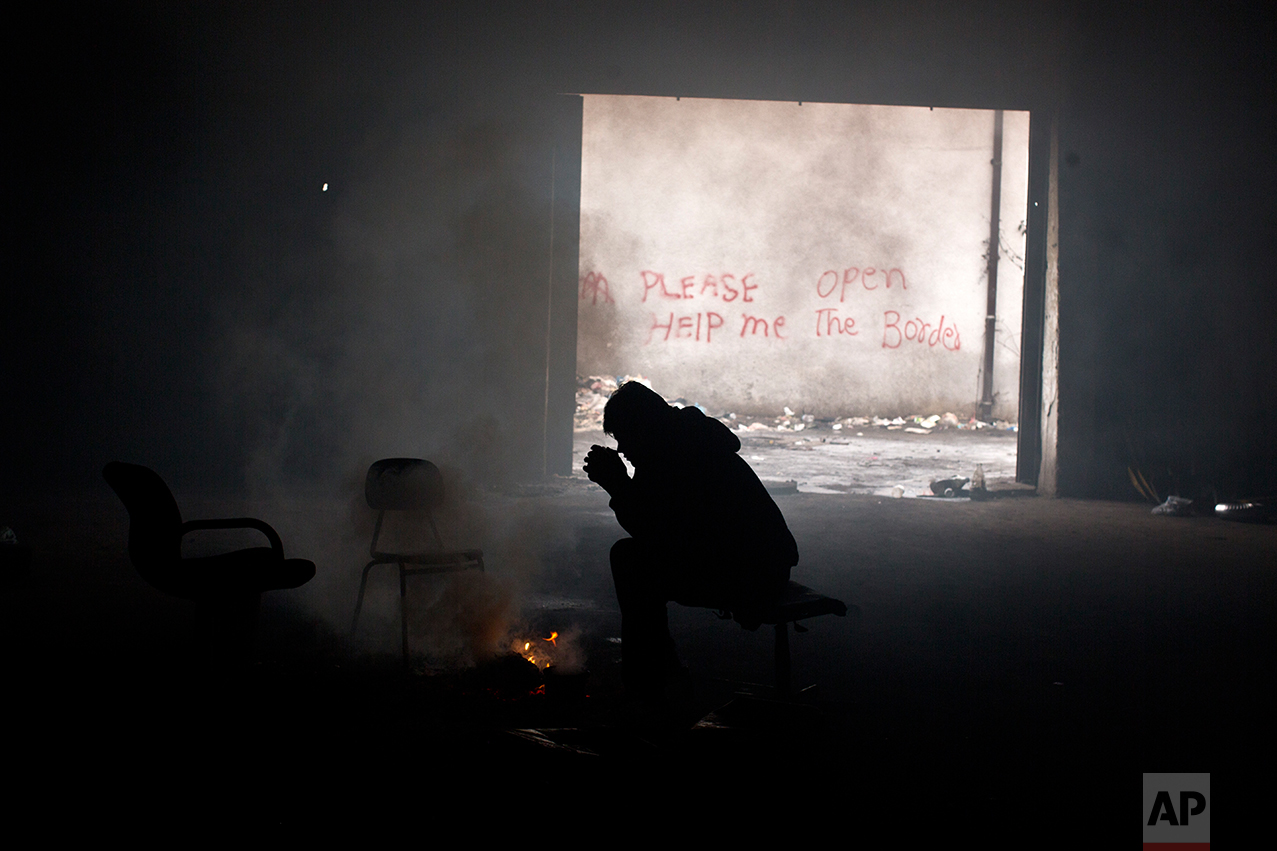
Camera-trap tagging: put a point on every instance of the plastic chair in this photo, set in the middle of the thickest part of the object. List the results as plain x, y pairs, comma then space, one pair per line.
409, 484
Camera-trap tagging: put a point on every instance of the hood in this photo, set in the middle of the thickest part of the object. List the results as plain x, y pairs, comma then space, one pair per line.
706, 433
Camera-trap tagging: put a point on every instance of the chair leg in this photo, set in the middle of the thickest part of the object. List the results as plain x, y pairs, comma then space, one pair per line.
782, 659
403, 611
359, 603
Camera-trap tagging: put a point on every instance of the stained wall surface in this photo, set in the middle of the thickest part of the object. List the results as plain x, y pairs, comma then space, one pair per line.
747, 255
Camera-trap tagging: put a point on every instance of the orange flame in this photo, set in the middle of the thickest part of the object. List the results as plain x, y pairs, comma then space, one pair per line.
535, 654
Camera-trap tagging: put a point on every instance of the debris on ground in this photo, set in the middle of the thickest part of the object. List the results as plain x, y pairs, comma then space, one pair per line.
592, 393
1249, 510
1175, 506
950, 487
979, 492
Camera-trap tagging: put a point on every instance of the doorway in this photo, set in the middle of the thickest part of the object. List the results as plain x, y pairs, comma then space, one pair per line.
815, 274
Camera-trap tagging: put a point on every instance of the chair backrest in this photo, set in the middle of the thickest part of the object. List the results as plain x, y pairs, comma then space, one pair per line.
155, 523
403, 484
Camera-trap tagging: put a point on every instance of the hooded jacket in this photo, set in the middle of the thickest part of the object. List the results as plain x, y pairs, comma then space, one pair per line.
699, 503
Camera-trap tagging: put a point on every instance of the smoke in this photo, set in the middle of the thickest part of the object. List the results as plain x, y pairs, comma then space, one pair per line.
465, 618
404, 331
398, 319
460, 620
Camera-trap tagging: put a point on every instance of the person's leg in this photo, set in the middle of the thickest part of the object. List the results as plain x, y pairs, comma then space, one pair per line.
647, 651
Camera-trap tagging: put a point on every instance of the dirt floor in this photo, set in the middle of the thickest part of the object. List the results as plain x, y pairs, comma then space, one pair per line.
1014, 662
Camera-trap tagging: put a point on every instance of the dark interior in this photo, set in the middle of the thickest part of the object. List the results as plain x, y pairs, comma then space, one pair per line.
182, 293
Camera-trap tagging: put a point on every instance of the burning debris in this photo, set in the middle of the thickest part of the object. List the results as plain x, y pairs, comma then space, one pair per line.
531, 667
534, 651
560, 653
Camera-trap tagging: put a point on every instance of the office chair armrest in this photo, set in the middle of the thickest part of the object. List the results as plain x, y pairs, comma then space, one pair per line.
239, 523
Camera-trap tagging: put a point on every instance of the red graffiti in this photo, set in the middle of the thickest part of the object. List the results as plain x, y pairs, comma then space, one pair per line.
709, 286
871, 278
594, 285
686, 327
918, 331
753, 323
834, 325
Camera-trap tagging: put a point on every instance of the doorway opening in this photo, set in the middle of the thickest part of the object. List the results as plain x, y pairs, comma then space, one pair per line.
842, 284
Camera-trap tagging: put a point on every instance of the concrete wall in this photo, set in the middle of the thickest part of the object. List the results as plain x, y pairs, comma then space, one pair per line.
749, 255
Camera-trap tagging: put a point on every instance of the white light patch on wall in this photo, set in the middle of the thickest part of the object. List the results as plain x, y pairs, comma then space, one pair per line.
748, 255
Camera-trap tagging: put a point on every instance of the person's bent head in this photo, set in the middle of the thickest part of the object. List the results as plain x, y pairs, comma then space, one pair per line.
639, 419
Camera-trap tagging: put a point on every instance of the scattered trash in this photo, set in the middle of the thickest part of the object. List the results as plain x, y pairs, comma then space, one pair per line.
949, 487
1175, 506
1248, 511
591, 395
979, 492
897, 492
593, 392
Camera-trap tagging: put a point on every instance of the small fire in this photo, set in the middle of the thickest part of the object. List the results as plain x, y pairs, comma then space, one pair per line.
535, 651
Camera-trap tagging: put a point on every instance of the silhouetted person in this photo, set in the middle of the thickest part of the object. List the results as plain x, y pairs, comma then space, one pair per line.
705, 532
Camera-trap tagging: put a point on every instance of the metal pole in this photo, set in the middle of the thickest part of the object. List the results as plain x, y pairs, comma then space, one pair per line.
995, 252
549, 317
